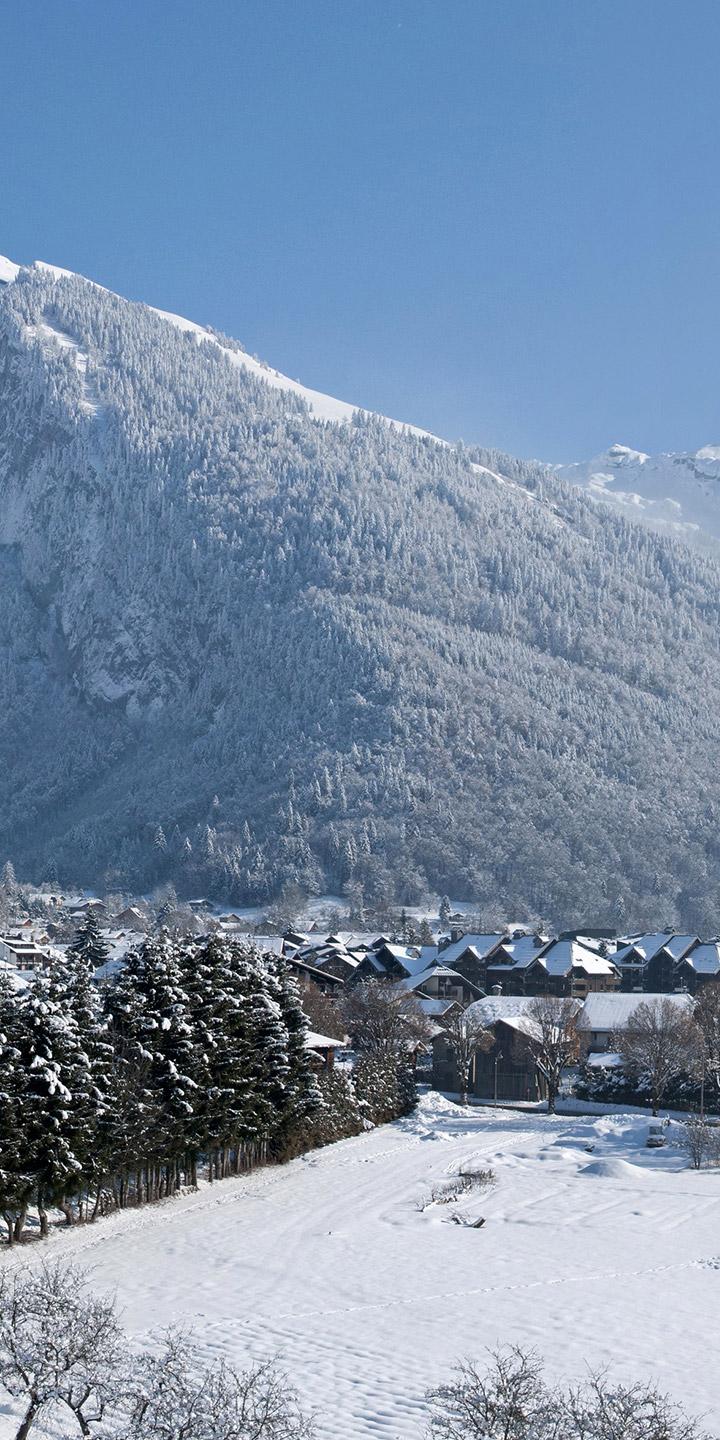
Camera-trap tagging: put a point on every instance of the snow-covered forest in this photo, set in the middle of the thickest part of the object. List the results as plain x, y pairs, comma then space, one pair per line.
242, 647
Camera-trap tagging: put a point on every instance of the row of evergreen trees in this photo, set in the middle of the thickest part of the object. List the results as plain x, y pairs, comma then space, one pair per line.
112, 1093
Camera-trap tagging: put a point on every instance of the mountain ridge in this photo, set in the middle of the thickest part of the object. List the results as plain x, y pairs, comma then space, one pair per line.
245, 648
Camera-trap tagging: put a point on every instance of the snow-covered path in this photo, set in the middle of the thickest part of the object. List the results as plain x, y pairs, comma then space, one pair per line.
603, 1257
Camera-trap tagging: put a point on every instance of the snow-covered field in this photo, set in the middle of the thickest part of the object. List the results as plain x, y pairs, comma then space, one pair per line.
603, 1256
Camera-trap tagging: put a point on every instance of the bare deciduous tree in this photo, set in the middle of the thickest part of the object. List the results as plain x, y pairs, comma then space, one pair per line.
323, 1012
554, 1041
382, 1019
706, 1016
58, 1344
700, 1141
601, 1410
507, 1401
511, 1400
466, 1035
659, 1043
174, 1398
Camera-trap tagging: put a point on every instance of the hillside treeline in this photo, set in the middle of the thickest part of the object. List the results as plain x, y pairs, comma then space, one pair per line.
193, 1058
242, 649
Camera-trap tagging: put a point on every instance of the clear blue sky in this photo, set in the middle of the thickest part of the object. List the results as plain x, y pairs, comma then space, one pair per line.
499, 219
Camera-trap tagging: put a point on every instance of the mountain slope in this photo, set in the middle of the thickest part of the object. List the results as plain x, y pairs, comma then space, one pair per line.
242, 645
676, 495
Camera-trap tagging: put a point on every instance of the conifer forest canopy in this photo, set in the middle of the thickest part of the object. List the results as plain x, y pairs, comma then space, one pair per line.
242, 647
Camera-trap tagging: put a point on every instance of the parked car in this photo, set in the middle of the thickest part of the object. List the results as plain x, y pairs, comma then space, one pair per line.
656, 1136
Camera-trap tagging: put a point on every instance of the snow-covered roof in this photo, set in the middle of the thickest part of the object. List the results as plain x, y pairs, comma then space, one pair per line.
481, 945
524, 1024
647, 946
423, 976
521, 952
272, 944
678, 945
705, 959
431, 1005
413, 958
562, 955
499, 1007
613, 1011
315, 1041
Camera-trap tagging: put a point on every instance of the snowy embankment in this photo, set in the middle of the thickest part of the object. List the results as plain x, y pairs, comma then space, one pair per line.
608, 1255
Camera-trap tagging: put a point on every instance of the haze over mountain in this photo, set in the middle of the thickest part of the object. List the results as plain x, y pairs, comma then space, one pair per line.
246, 642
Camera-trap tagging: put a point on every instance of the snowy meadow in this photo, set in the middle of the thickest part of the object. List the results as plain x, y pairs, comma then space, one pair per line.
595, 1251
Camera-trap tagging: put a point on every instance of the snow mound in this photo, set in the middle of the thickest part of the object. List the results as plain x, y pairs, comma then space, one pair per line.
614, 1169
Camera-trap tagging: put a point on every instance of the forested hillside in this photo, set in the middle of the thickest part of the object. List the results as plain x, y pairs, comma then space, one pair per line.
241, 646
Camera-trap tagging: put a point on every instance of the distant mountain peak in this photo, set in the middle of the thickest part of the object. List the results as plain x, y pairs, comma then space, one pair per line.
674, 494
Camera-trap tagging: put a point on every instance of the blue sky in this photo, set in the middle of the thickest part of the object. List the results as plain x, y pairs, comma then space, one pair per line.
499, 219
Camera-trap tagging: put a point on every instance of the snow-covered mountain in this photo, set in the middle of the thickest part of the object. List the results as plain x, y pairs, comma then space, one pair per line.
676, 495
253, 637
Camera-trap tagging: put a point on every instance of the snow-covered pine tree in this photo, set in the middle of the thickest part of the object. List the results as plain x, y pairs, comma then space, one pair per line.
88, 946
16, 1179
299, 1095
217, 1020
57, 1098
72, 988
150, 1013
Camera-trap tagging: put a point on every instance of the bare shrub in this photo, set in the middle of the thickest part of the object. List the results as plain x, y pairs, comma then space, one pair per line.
59, 1344
62, 1347
448, 1191
175, 1398
511, 1400
699, 1141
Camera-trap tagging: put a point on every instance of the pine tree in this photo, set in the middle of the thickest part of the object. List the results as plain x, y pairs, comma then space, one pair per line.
150, 1013
299, 1096
72, 988
16, 1179
88, 947
56, 1097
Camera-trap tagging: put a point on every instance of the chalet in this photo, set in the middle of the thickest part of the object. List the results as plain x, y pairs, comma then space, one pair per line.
506, 1071
131, 919
332, 959
295, 939
312, 975
567, 967
439, 982
440, 1012
23, 953
697, 966
470, 954
603, 1017
395, 962
647, 962
79, 910
509, 963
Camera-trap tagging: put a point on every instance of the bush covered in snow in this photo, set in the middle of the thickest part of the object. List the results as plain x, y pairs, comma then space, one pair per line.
510, 1399
385, 1089
64, 1359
